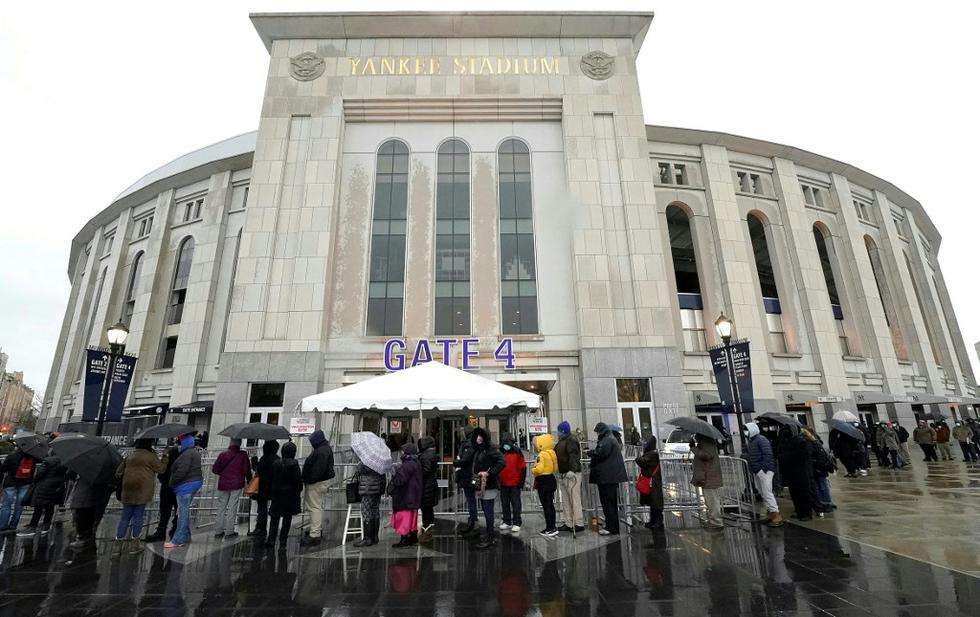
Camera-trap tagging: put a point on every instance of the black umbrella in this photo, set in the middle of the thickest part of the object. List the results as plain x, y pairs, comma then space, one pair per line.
165, 431
32, 444
255, 430
697, 426
91, 457
847, 428
935, 417
779, 418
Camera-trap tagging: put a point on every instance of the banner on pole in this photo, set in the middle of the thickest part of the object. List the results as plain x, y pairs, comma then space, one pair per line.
96, 367
122, 375
736, 379
719, 364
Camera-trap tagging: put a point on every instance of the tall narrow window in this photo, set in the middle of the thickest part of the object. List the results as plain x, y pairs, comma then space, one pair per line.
767, 284
686, 276
386, 289
823, 250
453, 239
132, 289
874, 256
182, 274
231, 290
518, 287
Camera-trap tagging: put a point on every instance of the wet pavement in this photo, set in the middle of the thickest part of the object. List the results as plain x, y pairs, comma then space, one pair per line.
686, 571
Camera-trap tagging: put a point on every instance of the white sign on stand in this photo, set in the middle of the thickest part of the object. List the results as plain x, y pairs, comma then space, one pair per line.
537, 425
302, 425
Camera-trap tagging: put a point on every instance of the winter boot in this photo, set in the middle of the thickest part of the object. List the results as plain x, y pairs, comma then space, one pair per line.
310, 541
402, 543
367, 536
488, 541
413, 538
775, 519
469, 528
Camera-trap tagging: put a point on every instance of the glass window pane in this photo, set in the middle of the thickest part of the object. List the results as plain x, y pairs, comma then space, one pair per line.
444, 258
382, 198
399, 198
376, 317
395, 290
266, 395
461, 198
379, 258
763, 263
682, 251
525, 251
507, 205
461, 316
509, 267
522, 196
510, 315
396, 258
633, 390
444, 195
505, 162
393, 316
529, 315
444, 316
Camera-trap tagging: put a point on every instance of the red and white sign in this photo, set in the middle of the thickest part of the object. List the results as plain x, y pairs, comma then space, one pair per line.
302, 425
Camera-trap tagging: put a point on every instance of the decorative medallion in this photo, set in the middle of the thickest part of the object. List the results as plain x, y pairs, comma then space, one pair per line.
306, 67
597, 65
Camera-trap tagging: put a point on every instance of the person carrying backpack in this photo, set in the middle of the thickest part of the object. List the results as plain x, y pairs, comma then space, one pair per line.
18, 473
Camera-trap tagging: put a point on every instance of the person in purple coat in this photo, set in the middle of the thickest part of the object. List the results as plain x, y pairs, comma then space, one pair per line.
406, 496
234, 471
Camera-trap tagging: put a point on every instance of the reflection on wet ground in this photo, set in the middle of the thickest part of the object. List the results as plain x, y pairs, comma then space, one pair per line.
928, 512
685, 571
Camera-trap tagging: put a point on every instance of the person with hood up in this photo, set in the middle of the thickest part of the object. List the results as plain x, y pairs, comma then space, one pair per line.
18, 473
888, 444
186, 479
544, 471
138, 473
569, 454
464, 476
974, 426
512, 480
942, 441
50, 478
406, 497
795, 455
649, 464
286, 486
762, 468
925, 436
318, 470
823, 466
707, 476
168, 500
487, 464
964, 435
848, 451
607, 470
234, 471
429, 460
263, 470
370, 487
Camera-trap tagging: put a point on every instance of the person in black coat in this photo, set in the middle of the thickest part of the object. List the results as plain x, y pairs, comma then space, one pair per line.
286, 486
607, 470
88, 504
317, 471
50, 478
406, 496
429, 460
168, 500
464, 476
649, 464
487, 464
262, 468
795, 455
370, 487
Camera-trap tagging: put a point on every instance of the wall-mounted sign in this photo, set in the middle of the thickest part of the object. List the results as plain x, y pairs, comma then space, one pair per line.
454, 65
301, 425
446, 349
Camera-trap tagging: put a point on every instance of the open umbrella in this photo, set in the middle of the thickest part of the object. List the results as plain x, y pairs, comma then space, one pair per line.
165, 431
846, 416
697, 426
91, 457
934, 417
779, 418
372, 451
32, 444
846, 428
255, 430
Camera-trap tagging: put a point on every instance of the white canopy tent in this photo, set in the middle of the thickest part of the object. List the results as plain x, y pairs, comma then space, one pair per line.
431, 388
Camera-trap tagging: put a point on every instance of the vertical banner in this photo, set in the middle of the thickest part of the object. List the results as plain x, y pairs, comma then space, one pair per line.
121, 377
96, 363
742, 374
722, 378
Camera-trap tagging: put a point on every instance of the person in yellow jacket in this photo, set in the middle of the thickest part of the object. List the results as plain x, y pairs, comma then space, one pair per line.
544, 471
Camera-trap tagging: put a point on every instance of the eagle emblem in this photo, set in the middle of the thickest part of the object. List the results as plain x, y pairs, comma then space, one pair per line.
597, 65
306, 67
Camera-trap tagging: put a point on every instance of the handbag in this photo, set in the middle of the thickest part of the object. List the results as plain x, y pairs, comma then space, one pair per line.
353, 495
643, 485
252, 488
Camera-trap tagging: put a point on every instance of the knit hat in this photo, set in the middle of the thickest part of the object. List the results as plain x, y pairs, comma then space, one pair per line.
564, 428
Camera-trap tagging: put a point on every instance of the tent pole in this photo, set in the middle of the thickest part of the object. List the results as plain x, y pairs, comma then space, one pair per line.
421, 427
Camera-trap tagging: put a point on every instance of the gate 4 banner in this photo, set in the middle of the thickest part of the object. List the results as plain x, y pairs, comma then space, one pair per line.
740, 374
719, 363
121, 377
96, 367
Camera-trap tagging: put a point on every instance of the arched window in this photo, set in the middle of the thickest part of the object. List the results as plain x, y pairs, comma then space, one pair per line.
767, 284
452, 294
824, 252
686, 277
874, 256
132, 289
386, 287
182, 275
518, 285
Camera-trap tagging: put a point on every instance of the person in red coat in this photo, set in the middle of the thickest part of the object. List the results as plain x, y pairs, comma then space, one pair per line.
512, 480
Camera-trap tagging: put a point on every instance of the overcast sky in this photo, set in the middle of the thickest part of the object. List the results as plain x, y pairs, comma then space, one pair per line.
94, 94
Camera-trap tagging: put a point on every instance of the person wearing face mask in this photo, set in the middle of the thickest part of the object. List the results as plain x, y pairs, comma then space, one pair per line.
186, 479
964, 434
488, 462
512, 480
762, 467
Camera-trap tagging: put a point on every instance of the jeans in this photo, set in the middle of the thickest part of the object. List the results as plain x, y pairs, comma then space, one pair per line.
609, 498
47, 511
487, 505
183, 533
823, 491
428, 515
262, 514
227, 513
13, 505
571, 499
132, 516
547, 487
763, 482
470, 494
510, 505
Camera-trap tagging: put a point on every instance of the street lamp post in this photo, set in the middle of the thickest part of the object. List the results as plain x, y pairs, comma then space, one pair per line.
724, 327
117, 344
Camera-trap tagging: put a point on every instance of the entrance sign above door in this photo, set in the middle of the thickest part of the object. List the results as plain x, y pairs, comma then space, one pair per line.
465, 350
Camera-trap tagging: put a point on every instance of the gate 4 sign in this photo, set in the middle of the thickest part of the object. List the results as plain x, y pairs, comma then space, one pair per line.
466, 350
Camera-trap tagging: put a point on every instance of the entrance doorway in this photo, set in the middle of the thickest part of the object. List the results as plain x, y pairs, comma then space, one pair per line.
868, 414
636, 416
801, 413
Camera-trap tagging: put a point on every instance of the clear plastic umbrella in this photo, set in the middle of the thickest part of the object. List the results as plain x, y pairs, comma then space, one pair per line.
846, 416
372, 451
